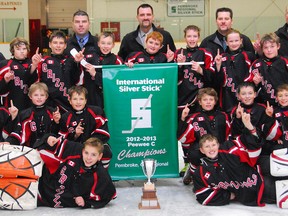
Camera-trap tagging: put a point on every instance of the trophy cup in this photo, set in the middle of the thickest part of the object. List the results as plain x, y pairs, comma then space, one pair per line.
149, 198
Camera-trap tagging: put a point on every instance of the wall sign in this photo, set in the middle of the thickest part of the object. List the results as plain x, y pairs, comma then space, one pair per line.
186, 8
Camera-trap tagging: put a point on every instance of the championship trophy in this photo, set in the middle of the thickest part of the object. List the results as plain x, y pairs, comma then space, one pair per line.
149, 198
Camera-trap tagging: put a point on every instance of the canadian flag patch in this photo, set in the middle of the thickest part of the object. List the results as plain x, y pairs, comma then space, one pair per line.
71, 163
89, 56
50, 61
141, 60
277, 114
207, 175
15, 67
201, 119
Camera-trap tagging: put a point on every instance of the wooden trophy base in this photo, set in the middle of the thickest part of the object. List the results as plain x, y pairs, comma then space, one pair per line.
149, 199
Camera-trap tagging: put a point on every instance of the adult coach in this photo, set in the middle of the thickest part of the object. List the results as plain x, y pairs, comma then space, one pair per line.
224, 21
134, 41
81, 38
282, 33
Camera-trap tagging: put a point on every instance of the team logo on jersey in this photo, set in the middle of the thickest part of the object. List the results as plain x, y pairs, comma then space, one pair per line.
15, 67
277, 115
200, 118
207, 175
50, 62
141, 60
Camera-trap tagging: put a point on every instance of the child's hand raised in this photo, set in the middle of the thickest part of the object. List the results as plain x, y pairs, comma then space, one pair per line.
79, 56
36, 58
180, 57
239, 111
79, 130
13, 110
185, 112
269, 109
169, 54
218, 60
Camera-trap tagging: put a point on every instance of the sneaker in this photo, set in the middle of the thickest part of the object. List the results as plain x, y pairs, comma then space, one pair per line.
182, 172
187, 178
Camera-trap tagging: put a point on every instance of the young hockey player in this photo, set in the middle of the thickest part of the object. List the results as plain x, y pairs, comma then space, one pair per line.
39, 119
232, 69
85, 121
18, 73
193, 77
269, 71
151, 54
207, 121
92, 78
228, 171
79, 179
269, 127
58, 72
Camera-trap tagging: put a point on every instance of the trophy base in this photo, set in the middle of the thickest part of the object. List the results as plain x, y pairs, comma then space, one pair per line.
151, 203
149, 198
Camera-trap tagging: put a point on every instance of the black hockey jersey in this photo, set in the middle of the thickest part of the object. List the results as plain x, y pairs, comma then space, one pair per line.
17, 89
59, 73
274, 72
189, 81
233, 171
94, 85
269, 127
65, 177
35, 122
234, 70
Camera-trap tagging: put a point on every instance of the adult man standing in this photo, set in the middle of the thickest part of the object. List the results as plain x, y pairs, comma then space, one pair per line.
224, 21
282, 33
134, 41
82, 38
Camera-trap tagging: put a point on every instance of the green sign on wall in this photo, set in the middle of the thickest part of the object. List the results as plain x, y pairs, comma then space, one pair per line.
141, 106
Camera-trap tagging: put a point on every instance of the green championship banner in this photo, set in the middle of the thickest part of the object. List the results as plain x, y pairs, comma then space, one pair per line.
141, 107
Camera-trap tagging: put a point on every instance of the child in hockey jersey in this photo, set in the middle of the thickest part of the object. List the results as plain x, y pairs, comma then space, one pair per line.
58, 72
207, 121
85, 121
232, 69
269, 127
18, 73
151, 54
193, 77
39, 119
79, 180
281, 114
269, 71
92, 78
228, 171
